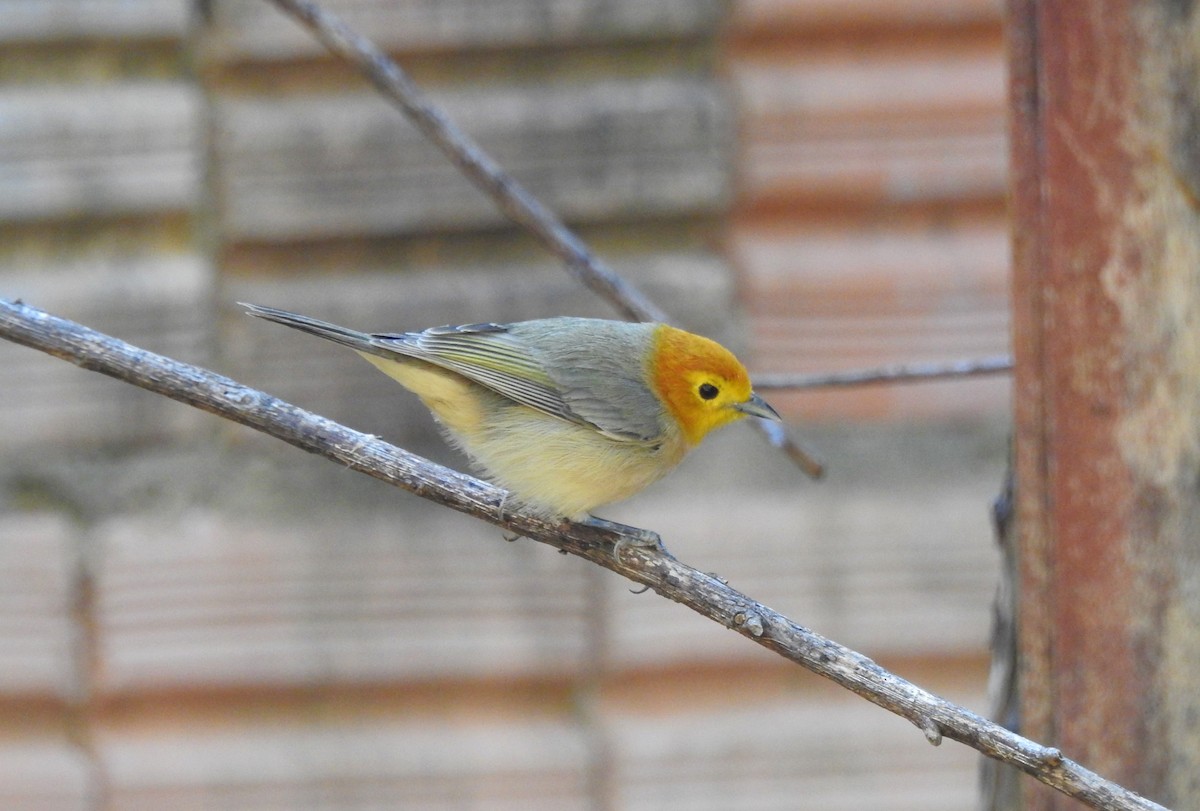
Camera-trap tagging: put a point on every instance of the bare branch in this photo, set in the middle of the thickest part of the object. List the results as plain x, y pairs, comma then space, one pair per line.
611, 546
800, 454
896, 373
511, 197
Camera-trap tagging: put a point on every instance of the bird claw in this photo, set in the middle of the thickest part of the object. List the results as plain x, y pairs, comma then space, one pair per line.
629, 536
633, 536
508, 536
644, 538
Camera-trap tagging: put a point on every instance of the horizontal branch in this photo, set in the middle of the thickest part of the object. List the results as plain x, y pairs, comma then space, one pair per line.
895, 373
609, 545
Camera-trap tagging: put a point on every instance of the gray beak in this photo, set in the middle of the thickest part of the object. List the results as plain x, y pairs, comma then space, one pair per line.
758, 407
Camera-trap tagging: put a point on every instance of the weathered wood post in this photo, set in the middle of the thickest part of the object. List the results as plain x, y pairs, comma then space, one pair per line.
1105, 102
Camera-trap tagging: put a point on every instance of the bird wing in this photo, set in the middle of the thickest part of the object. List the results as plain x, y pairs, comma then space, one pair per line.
490, 355
597, 378
599, 369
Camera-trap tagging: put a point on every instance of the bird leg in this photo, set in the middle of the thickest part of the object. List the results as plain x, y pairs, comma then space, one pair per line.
630, 536
633, 536
508, 536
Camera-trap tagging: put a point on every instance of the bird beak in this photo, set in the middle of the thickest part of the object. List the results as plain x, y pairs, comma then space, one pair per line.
758, 407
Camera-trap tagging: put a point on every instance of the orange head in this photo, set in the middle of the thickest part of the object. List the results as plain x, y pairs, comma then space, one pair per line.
701, 383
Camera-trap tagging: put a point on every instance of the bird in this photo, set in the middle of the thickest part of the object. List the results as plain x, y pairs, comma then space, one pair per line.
566, 414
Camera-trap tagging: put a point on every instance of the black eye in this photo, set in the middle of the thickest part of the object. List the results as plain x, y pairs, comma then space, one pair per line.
708, 391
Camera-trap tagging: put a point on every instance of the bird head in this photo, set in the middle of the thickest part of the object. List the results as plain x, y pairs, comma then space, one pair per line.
701, 383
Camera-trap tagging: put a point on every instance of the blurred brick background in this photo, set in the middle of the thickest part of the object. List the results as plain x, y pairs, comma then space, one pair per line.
192, 616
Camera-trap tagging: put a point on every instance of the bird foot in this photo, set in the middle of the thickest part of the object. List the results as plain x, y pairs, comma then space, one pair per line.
634, 536
508, 536
630, 536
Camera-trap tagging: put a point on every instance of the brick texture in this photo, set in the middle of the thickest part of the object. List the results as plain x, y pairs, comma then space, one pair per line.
193, 616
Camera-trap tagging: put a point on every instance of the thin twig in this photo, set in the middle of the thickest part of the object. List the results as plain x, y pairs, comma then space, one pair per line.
479, 167
509, 195
612, 547
895, 373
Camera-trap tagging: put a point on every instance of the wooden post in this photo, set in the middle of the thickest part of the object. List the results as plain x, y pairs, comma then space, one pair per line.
1106, 306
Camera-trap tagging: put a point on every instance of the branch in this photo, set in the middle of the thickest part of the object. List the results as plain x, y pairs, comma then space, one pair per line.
606, 544
479, 167
896, 373
510, 196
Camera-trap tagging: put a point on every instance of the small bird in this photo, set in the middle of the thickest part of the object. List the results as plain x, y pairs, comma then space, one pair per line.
567, 414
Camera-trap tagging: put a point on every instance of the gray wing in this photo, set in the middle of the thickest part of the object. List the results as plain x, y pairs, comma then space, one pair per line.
585, 371
582, 370
600, 372
490, 355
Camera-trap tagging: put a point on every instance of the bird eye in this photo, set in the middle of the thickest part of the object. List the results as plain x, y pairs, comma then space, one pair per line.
708, 391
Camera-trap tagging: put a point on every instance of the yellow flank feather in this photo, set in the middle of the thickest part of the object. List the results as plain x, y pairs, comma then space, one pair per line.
559, 468
453, 399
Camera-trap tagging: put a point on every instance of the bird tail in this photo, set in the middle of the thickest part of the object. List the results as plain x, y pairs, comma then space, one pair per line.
322, 329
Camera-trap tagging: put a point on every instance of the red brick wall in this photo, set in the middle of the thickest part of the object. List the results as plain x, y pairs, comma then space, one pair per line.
870, 224
194, 617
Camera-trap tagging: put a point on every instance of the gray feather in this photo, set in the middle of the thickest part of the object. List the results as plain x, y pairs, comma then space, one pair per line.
600, 369
583, 370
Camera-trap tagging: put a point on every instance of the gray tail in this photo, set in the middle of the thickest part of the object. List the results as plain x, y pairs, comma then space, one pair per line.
322, 329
